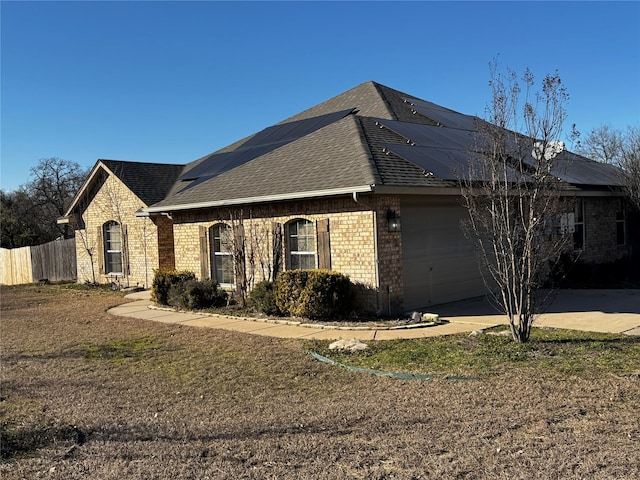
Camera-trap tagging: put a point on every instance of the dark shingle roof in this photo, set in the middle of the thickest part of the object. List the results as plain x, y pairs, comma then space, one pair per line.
151, 182
330, 158
345, 142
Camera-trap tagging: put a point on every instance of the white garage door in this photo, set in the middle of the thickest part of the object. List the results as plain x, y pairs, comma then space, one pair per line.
439, 263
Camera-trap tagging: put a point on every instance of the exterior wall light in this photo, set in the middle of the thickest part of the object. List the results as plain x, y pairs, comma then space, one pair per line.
393, 221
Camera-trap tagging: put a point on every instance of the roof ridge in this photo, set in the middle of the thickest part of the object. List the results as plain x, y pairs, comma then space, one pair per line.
372, 162
103, 160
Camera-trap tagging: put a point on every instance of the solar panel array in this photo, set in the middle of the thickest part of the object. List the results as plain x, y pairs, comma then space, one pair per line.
581, 171
261, 143
448, 150
445, 151
441, 115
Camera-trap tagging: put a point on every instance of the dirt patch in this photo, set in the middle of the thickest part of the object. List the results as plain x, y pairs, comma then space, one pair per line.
89, 395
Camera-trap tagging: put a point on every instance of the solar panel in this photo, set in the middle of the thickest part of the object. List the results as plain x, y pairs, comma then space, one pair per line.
261, 143
223, 162
447, 164
581, 171
443, 116
202, 167
294, 130
430, 135
443, 163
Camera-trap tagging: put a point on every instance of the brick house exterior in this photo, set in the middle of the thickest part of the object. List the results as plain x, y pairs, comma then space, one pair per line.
112, 244
362, 184
351, 248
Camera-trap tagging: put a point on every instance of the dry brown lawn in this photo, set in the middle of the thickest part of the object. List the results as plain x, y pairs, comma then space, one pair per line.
89, 395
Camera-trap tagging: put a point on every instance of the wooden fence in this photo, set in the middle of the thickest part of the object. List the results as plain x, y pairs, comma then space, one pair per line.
54, 261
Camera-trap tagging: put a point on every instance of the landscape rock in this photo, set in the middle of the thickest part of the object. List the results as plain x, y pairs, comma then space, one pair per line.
350, 345
430, 317
419, 317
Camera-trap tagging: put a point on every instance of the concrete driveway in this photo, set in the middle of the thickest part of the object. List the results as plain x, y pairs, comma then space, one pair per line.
613, 311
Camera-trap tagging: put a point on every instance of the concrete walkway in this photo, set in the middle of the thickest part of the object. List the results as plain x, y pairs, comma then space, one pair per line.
615, 311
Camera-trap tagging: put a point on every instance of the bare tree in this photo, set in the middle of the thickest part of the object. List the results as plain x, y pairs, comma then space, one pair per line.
259, 251
620, 148
603, 144
511, 194
630, 164
52, 187
238, 243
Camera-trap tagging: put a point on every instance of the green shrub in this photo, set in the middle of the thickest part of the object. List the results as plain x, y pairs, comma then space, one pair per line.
164, 279
197, 295
288, 288
263, 298
314, 294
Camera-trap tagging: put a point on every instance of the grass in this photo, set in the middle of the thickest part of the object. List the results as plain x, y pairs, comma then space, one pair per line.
84, 394
549, 352
123, 350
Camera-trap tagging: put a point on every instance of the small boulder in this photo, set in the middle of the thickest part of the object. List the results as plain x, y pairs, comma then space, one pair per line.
349, 345
430, 317
419, 317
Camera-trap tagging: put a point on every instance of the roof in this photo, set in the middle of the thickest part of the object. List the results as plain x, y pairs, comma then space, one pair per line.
368, 138
150, 182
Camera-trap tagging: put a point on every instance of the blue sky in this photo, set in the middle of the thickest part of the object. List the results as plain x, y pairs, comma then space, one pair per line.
169, 82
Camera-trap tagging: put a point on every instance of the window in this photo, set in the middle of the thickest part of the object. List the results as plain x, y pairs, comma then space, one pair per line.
221, 241
620, 224
301, 245
579, 232
112, 235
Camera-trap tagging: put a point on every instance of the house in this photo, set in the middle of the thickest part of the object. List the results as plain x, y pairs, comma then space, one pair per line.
112, 244
365, 183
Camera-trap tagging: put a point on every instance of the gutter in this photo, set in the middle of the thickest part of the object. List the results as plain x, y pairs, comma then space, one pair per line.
145, 212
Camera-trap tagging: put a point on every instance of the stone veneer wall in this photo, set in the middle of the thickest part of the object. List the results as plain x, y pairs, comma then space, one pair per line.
352, 228
114, 201
600, 226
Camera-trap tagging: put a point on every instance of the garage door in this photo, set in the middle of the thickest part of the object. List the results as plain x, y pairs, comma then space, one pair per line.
439, 263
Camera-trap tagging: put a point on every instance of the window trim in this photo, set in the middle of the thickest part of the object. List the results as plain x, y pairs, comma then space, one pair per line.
580, 225
109, 253
220, 255
621, 221
300, 253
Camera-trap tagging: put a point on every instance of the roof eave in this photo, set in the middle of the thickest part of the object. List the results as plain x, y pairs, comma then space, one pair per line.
250, 200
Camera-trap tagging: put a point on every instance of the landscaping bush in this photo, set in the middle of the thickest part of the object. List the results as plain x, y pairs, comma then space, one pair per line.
314, 294
197, 295
164, 279
263, 298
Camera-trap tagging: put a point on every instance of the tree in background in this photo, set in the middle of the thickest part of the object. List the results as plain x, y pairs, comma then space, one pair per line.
19, 228
511, 194
617, 147
29, 214
54, 184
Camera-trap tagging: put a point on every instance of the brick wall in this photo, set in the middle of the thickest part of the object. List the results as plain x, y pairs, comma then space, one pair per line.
353, 241
600, 227
114, 201
166, 252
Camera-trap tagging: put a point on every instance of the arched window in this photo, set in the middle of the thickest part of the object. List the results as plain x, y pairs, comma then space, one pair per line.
301, 251
221, 242
112, 235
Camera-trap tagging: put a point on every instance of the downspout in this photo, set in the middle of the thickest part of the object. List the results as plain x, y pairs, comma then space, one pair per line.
144, 246
375, 250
